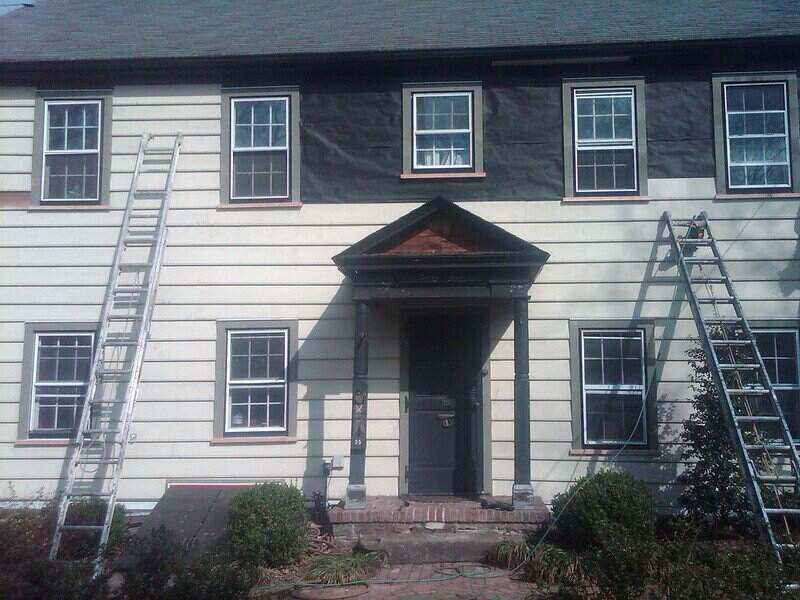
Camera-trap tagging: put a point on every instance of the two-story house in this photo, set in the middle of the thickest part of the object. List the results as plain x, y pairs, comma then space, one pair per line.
424, 238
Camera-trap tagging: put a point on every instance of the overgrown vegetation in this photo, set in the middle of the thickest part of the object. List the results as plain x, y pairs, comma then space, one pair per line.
714, 489
618, 555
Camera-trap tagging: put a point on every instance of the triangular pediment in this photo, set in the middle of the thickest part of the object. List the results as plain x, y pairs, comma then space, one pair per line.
439, 227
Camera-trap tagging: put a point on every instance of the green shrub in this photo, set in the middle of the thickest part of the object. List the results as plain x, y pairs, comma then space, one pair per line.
76, 545
714, 488
339, 569
598, 501
214, 576
619, 564
268, 525
158, 559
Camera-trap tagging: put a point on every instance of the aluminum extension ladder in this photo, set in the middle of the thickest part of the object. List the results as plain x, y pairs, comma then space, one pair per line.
102, 436
757, 427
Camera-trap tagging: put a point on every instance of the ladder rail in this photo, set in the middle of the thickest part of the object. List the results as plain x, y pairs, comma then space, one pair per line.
751, 488
84, 440
97, 356
753, 478
132, 391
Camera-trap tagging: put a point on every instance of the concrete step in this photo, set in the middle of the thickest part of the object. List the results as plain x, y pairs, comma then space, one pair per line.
424, 547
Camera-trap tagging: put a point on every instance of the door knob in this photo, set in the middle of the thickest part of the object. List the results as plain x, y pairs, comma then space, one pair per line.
446, 419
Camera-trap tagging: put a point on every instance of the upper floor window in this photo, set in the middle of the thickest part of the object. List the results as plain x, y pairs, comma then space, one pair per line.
757, 135
755, 125
442, 130
71, 151
604, 138
261, 133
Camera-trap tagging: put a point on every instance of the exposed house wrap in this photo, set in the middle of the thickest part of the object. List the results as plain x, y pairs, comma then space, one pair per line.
274, 265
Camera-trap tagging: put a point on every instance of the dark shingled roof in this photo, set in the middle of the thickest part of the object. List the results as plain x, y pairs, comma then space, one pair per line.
58, 30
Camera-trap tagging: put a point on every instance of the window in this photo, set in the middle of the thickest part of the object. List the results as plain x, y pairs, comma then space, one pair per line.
255, 383
604, 138
779, 351
613, 387
261, 134
60, 378
757, 127
442, 130
71, 151
755, 132
260, 149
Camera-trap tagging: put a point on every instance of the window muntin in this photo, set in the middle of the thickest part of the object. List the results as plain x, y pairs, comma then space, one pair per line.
613, 387
256, 383
780, 349
71, 151
757, 135
260, 142
443, 132
62, 362
605, 140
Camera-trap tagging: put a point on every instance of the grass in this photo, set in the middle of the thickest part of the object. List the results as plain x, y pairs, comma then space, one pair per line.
338, 569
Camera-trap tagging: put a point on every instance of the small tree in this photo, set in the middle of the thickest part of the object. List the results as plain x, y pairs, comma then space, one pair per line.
714, 491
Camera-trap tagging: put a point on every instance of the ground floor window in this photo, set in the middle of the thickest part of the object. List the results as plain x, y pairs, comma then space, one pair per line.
779, 351
613, 391
60, 377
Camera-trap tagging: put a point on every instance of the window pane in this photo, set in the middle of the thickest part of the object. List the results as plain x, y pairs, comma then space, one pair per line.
609, 170
789, 406
64, 358
243, 112
260, 174
277, 407
243, 136
72, 176
592, 347
593, 371
56, 139
614, 418
442, 150
442, 112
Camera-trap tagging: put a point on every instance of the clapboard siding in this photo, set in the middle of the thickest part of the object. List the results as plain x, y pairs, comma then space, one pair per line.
607, 262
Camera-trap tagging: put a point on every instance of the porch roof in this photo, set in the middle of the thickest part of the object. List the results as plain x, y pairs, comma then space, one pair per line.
441, 249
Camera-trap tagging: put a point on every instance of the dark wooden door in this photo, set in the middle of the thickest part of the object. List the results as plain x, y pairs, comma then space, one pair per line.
444, 403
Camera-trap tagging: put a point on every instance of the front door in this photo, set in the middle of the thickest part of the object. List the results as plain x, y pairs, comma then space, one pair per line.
444, 403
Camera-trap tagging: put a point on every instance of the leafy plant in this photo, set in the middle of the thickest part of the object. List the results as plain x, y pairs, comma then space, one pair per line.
594, 503
214, 576
340, 569
268, 525
510, 553
158, 560
714, 488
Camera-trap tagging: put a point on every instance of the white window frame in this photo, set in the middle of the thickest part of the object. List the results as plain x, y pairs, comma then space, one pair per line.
608, 144
632, 390
285, 148
34, 416
264, 383
744, 136
470, 130
46, 152
796, 334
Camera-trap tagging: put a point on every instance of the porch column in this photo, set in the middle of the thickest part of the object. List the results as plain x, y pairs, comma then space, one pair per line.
522, 494
356, 489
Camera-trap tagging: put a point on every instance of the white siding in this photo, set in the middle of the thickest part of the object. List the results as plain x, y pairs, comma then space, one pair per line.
607, 262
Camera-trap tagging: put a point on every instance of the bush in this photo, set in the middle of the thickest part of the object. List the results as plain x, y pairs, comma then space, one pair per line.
76, 545
157, 559
268, 525
714, 492
620, 563
214, 576
595, 502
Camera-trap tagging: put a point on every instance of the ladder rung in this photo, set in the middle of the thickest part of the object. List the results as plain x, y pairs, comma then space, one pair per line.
701, 261
767, 448
733, 342
708, 279
748, 391
158, 149
140, 241
778, 479
695, 241
103, 431
782, 511
113, 371
119, 343
757, 419
124, 317
89, 494
130, 289
98, 461
135, 266
740, 367
104, 401
723, 320
715, 300
81, 527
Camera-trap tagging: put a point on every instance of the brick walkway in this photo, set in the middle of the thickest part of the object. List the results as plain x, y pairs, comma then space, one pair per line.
488, 584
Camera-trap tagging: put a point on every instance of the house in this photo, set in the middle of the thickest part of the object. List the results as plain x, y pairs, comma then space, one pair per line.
424, 239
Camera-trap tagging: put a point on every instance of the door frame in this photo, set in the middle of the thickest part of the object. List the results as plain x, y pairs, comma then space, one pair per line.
480, 312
